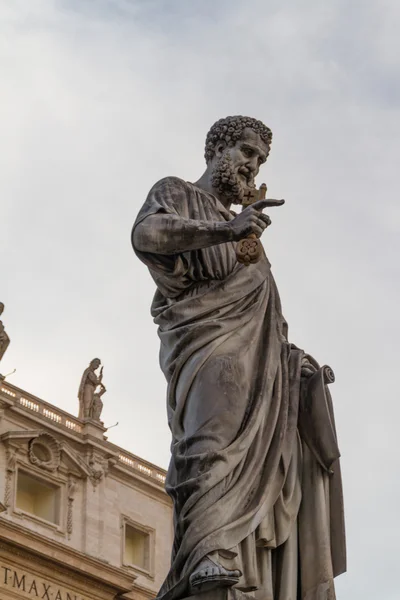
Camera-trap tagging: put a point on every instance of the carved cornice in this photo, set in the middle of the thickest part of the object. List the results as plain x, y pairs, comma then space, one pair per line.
138, 592
20, 436
145, 486
63, 559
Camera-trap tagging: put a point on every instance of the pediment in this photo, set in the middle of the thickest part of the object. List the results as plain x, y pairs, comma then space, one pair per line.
74, 460
45, 451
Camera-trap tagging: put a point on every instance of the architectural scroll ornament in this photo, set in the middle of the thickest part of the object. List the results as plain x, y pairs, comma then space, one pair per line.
45, 452
71, 494
98, 467
11, 458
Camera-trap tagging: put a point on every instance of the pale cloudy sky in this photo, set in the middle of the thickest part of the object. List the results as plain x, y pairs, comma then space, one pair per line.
100, 99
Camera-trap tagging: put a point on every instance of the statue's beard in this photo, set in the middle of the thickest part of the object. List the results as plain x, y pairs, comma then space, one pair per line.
227, 181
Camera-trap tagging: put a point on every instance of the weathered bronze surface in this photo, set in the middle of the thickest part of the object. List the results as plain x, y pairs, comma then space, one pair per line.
254, 472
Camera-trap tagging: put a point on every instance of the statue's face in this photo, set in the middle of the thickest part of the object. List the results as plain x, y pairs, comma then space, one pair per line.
236, 168
248, 154
96, 364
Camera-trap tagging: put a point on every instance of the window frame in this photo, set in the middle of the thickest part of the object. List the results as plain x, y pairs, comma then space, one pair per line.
48, 479
151, 533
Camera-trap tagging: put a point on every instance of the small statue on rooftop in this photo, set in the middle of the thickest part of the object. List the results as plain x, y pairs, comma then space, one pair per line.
90, 403
4, 339
97, 406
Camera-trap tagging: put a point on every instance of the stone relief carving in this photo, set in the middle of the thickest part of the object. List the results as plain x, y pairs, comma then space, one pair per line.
98, 465
44, 451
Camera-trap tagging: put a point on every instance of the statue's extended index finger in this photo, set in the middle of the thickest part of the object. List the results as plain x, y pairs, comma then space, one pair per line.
260, 204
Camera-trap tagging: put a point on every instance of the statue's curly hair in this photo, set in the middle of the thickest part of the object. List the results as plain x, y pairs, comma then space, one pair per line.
230, 131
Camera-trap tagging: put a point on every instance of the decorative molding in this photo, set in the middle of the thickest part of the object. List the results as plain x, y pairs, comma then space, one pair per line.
36, 549
20, 436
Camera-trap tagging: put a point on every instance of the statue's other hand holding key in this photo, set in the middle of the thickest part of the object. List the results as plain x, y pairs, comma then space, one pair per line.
251, 220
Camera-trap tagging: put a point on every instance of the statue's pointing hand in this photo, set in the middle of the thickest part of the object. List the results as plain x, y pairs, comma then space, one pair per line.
251, 220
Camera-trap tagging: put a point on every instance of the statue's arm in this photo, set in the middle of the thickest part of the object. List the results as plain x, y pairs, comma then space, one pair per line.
92, 378
171, 234
4, 342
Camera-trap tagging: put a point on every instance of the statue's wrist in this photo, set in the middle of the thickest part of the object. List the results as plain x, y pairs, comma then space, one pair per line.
225, 231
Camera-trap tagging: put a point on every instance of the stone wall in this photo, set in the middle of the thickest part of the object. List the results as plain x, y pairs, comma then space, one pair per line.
61, 480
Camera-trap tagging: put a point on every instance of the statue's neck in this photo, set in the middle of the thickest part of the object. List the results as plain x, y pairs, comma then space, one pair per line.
204, 183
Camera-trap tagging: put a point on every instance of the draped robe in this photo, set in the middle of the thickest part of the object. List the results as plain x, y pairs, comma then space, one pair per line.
246, 489
86, 392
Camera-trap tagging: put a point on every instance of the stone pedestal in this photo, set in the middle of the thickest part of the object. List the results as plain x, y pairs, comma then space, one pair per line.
94, 429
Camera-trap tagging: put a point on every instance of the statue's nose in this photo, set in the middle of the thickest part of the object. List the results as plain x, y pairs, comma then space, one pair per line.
252, 164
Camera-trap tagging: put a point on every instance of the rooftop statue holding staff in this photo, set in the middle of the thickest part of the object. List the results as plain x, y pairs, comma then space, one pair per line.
4, 339
90, 403
254, 473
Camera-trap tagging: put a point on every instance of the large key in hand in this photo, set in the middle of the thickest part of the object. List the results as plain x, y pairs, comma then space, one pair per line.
249, 250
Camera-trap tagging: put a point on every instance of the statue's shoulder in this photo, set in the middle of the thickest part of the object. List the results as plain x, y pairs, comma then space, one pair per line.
170, 193
170, 183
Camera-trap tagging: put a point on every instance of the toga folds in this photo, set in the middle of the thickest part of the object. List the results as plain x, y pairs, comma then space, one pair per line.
246, 488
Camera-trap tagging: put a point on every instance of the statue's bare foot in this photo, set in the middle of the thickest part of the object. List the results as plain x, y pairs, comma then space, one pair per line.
209, 575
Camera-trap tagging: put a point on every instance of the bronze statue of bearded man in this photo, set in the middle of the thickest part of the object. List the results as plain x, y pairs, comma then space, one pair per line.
256, 490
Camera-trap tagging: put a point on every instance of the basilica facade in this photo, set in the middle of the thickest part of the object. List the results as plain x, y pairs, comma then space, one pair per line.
80, 518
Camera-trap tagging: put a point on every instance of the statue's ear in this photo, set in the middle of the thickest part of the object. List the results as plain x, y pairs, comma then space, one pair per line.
219, 148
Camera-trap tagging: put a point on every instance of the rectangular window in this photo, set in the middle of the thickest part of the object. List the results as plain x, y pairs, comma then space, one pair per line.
137, 547
38, 498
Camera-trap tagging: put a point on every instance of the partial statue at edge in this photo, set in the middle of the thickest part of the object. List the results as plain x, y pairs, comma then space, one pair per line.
90, 392
254, 472
4, 339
